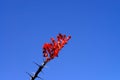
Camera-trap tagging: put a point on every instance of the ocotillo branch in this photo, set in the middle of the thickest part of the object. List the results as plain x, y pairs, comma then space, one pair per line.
50, 51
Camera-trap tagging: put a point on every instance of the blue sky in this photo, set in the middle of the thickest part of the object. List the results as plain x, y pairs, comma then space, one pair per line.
93, 53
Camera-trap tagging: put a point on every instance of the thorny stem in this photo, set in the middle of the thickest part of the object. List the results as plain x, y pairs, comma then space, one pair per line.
38, 70
50, 51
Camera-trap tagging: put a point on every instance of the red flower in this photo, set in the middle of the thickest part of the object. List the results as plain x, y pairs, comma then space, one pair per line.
51, 50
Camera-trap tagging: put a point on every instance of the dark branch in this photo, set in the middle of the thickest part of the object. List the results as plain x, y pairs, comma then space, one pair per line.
38, 71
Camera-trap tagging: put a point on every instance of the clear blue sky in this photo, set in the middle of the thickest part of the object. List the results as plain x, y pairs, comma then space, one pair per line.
93, 53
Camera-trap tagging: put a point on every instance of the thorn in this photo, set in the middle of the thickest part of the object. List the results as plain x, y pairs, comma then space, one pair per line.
40, 78
46, 66
36, 64
29, 74
42, 64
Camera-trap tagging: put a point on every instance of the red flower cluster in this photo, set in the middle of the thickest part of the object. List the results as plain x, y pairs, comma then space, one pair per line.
51, 50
